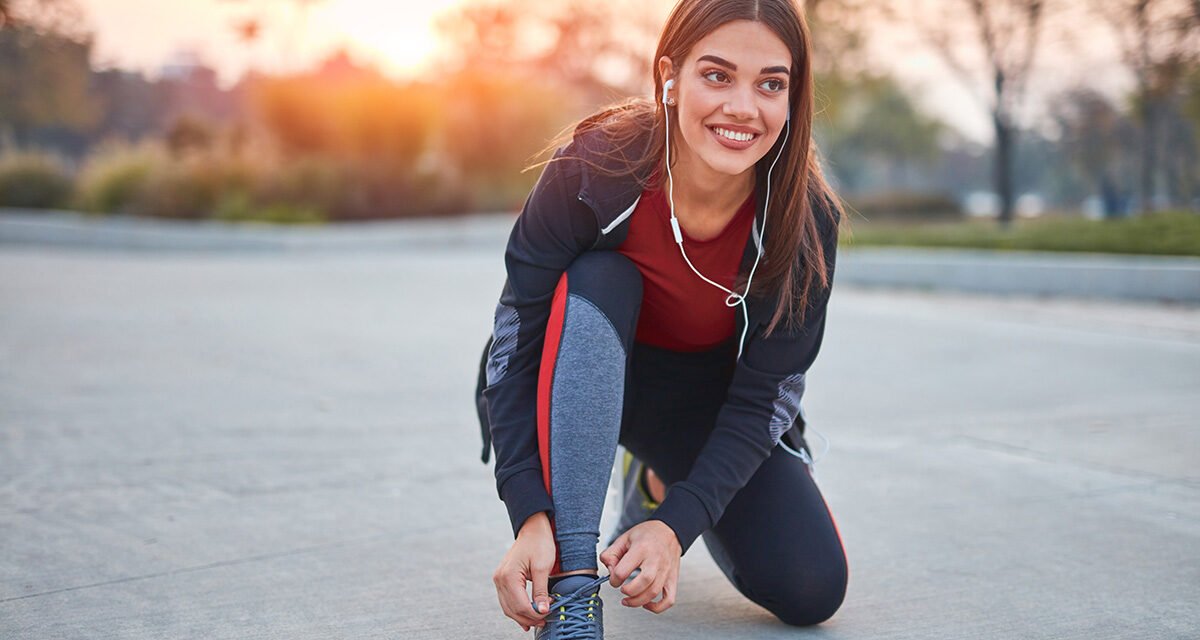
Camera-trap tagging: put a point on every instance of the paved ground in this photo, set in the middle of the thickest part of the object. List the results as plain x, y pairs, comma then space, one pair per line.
282, 445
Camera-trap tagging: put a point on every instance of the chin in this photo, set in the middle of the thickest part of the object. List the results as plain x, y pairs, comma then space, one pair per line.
721, 163
731, 162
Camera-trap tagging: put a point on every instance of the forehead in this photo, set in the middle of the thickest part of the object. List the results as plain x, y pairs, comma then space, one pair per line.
746, 43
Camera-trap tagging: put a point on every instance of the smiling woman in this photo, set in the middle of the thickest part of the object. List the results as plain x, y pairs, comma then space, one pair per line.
632, 314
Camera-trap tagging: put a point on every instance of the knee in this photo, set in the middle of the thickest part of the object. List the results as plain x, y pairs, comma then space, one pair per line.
806, 598
610, 282
594, 272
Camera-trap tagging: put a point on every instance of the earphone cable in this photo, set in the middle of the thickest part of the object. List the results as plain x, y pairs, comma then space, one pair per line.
736, 298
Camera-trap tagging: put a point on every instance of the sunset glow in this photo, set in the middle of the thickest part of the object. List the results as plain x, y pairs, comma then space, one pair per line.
398, 36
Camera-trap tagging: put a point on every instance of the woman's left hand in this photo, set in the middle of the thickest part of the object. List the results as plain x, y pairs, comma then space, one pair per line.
653, 547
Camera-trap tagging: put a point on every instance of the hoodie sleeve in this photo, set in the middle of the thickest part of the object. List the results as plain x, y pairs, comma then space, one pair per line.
762, 403
552, 229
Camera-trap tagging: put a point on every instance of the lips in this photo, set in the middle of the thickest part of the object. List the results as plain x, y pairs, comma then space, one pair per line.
734, 137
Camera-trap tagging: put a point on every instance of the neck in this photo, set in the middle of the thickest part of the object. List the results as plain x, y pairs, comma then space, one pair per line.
698, 189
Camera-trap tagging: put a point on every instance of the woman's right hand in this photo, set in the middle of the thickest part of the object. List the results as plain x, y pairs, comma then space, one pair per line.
529, 560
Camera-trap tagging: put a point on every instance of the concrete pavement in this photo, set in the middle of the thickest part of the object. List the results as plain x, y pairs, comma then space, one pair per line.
282, 445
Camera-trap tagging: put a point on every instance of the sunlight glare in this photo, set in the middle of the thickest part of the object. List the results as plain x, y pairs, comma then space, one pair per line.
398, 35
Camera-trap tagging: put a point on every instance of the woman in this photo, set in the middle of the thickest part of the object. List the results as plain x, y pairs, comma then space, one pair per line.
641, 309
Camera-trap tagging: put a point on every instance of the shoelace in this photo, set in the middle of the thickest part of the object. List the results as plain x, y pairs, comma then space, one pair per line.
573, 613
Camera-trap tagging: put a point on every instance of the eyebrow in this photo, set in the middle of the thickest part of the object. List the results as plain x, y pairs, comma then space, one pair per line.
733, 67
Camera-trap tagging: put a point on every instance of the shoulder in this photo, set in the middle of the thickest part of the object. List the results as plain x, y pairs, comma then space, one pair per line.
613, 139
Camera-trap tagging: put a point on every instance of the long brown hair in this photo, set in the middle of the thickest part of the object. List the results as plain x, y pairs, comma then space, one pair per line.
797, 181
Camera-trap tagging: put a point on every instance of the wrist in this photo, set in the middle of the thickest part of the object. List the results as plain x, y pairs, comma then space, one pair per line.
536, 523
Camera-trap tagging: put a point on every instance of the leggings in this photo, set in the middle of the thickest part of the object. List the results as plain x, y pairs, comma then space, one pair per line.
776, 541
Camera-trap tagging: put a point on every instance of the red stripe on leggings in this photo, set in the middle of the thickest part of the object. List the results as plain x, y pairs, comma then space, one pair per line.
554, 328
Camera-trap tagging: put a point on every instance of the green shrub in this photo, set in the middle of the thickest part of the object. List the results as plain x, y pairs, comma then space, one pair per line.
33, 179
315, 182
1162, 233
193, 186
238, 206
283, 213
114, 178
905, 206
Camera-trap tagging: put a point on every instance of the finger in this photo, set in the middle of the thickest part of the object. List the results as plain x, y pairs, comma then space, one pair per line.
541, 594
651, 592
645, 577
623, 570
666, 602
515, 603
613, 555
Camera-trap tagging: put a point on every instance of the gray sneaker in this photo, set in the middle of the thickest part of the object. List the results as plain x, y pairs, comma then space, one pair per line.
637, 505
576, 611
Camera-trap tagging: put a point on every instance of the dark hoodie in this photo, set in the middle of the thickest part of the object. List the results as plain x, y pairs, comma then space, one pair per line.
573, 209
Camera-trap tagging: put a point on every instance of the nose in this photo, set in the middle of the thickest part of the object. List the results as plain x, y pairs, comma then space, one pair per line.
741, 105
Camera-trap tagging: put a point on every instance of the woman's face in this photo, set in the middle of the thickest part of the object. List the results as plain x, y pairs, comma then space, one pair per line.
731, 96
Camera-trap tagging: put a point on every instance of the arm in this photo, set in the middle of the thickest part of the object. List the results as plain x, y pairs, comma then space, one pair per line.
551, 231
763, 402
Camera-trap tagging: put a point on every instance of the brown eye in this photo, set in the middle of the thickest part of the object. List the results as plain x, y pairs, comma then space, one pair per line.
774, 85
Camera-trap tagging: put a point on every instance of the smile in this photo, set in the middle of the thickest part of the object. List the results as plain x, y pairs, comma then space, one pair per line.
734, 135
736, 140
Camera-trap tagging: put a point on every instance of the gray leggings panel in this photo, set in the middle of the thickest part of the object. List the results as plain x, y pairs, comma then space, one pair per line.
585, 420
587, 397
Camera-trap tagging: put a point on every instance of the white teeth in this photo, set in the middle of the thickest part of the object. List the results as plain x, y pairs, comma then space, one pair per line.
733, 135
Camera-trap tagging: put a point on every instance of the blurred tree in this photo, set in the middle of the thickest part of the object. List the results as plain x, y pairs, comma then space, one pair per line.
1094, 135
1158, 40
348, 112
370, 134
1181, 152
873, 135
44, 52
1000, 39
190, 133
491, 131
516, 72
1189, 110
600, 49
839, 31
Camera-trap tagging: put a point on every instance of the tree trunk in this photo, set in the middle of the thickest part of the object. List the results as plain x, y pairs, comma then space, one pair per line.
1149, 119
1005, 138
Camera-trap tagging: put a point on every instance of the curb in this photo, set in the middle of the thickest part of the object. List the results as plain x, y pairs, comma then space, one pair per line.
1086, 275
1173, 279
73, 229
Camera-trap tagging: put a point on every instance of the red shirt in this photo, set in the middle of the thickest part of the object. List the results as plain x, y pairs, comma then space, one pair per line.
680, 311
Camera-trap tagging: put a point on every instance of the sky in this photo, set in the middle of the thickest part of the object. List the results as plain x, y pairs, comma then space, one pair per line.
399, 37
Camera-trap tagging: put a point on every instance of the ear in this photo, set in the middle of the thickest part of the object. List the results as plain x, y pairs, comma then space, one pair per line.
666, 69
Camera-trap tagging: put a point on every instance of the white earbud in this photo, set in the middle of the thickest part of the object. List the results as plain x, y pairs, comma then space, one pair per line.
667, 87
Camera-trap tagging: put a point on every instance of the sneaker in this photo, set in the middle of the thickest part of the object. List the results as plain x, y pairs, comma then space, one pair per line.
637, 505
576, 611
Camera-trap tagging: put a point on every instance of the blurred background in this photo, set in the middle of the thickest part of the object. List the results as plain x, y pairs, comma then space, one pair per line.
250, 252
1017, 124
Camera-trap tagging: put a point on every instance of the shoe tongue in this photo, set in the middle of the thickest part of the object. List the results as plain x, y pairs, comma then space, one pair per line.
569, 584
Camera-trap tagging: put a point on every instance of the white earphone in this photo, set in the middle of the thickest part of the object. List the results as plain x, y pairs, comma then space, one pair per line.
734, 298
